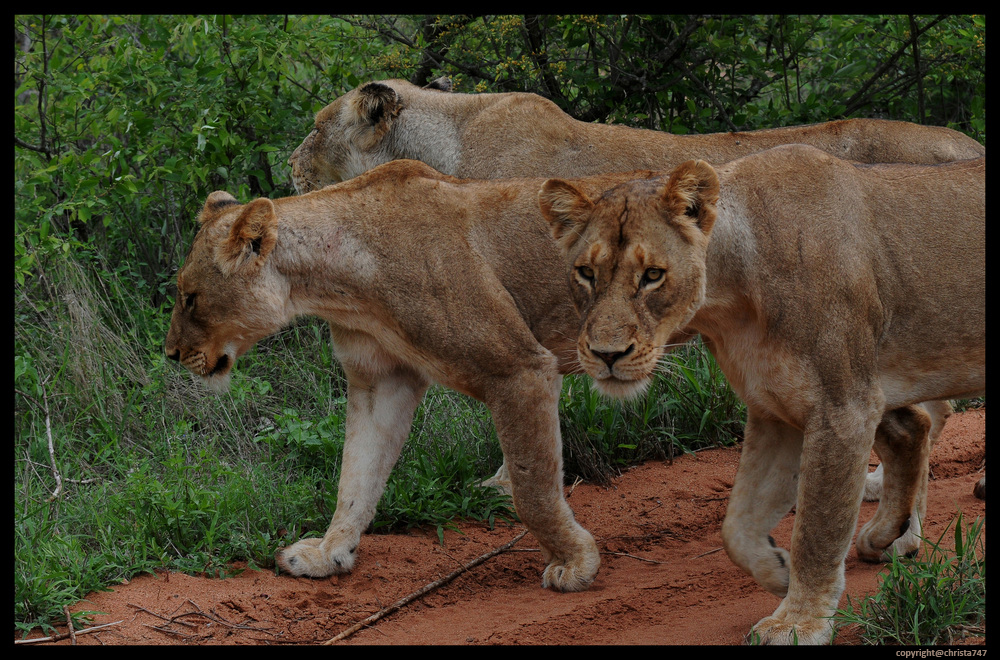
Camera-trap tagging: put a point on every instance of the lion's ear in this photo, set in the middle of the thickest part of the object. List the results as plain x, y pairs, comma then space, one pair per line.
566, 209
250, 240
443, 83
377, 105
217, 201
691, 194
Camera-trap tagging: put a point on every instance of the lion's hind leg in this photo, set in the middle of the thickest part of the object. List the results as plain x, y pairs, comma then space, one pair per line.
939, 411
903, 441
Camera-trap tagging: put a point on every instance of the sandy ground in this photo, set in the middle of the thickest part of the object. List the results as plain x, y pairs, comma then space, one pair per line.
664, 577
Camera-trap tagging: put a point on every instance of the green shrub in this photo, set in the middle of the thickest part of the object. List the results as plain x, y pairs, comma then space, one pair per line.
938, 598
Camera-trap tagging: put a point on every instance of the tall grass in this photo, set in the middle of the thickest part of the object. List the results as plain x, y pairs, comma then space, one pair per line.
688, 406
937, 598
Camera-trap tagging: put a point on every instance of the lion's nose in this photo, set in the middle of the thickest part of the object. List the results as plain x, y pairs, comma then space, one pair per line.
611, 357
174, 354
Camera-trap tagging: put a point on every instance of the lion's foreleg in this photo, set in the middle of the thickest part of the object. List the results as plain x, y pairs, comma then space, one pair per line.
763, 492
525, 411
835, 451
379, 414
903, 441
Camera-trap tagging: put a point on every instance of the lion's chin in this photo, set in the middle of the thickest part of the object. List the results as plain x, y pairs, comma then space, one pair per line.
621, 389
218, 380
217, 384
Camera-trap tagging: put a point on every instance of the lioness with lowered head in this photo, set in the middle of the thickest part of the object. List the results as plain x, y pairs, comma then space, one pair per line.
490, 136
834, 297
423, 278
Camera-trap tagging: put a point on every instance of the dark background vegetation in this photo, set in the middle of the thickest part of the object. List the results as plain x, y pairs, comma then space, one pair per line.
124, 124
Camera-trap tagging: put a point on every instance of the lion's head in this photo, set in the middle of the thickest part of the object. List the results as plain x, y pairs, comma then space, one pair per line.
348, 137
226, 298
637, 267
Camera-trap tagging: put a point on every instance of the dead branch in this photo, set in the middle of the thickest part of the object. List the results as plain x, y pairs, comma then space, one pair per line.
576, 483
625, 554
69, 625
168, 619
56, 638
423, 591
164, 629
52, 450
211, 616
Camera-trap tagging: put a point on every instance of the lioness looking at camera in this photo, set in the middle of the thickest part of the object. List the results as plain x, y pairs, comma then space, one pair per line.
490, 136
834, 296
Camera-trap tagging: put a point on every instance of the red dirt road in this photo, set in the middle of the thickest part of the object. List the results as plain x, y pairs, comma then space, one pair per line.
664, 578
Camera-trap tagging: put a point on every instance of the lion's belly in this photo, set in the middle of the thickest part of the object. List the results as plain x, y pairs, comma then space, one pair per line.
915, 378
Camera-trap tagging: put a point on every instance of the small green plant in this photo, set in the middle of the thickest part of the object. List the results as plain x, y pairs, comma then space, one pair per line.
937, 598
437, 486
961, 405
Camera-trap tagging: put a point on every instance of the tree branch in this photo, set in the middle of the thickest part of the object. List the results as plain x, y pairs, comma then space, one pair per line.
711, 96
916, 68
862, 97
434, 53
538, 55
24, 145
385, 611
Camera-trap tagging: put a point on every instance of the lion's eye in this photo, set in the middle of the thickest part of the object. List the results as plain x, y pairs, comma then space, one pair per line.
189, 300
586, 273
651, 275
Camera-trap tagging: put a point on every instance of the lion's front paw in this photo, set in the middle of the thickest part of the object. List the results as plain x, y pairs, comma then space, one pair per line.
574, 573
309, 558
781, 630
878, 545
772, 570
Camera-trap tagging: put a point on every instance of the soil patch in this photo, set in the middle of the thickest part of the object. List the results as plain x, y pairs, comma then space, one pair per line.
664, 577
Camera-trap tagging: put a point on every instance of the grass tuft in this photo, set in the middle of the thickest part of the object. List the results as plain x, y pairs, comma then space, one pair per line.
938, 598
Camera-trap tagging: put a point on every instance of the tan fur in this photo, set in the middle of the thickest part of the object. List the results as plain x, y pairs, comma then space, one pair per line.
519, 135
424, 278
835, 297
490, 136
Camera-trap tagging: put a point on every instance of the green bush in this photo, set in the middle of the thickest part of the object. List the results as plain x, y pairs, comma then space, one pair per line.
937, 598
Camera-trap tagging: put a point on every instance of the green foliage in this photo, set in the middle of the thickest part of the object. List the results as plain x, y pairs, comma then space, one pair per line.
938, 598
439, 484
51, 569
125, 124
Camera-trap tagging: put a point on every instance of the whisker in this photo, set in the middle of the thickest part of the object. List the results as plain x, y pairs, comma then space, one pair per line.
667, 347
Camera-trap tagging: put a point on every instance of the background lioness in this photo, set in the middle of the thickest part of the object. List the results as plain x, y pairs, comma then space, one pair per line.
834, 297
423, 278
519, 134
490, 136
